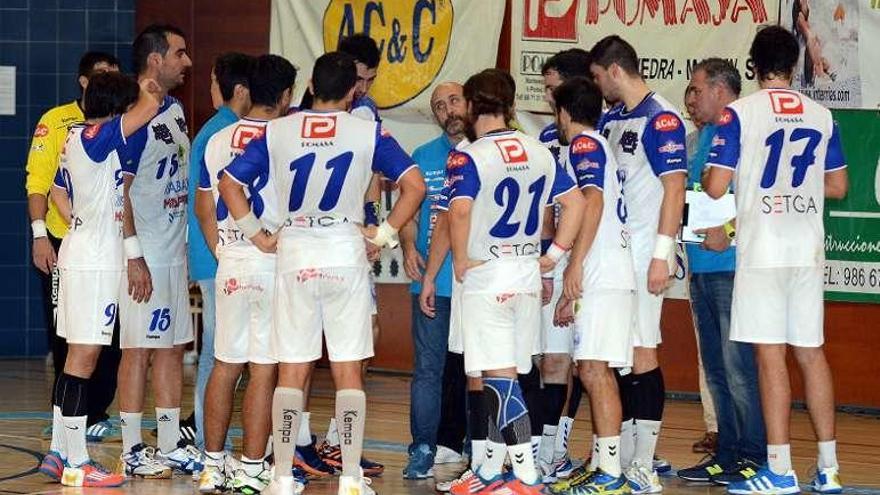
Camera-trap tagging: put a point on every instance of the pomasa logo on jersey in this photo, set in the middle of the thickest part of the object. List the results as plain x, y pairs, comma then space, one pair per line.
319, 127
413, 38
512, 151
786, 102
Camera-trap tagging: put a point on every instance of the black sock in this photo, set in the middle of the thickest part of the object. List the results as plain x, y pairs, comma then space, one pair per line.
477, 414
574, 400
530, 384
624, 384
554, 401
73, 394
648, 395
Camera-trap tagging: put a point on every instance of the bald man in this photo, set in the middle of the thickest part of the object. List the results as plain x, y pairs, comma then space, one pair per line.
430, 328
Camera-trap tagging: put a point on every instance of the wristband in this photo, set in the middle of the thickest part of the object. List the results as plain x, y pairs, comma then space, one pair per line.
663, 247
132, 247
555, 252
371, 213
249, 225
730, 230
39, 228
384, 235
545, 245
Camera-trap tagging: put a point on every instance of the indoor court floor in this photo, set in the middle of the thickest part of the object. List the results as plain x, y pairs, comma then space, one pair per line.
25, 417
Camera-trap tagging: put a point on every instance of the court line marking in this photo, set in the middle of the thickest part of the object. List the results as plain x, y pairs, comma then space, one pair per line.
38, 456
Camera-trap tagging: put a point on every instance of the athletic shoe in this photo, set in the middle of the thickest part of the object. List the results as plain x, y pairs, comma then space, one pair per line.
827, 480
52, 465
284, 485
213, 479
91, 474
244, 483
578, 477
643, 479
743, 470
561, 469
141, 461
307, 458
99, 431
601, 482
475, 484
420, 463
517, 487
355, 485
706, 445
703, 471
446, 486
445, 455
766, 482
332, 455
662, 466
185, 459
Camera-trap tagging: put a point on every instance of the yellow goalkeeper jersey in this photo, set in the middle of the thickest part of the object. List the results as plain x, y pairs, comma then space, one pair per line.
44, 155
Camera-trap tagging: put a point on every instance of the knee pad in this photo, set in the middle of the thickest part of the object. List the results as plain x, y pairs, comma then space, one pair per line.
505, 400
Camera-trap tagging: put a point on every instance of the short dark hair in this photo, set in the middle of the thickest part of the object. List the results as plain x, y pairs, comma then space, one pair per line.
490, 92
568, 63
615, 50
109, 94
774, 50
581, 98
362, 48
720, 71
153, 39
230, 69
333, 76
270, 77
89, 60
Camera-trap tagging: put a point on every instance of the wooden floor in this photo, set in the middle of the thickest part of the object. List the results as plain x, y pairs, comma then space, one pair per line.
24, 418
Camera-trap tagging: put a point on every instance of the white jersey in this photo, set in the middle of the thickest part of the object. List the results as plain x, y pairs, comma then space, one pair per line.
772, 139
365, 108
609, 263
321, 164
549, 137
511, 178
221, 149
648, 142
91, 173
157, 156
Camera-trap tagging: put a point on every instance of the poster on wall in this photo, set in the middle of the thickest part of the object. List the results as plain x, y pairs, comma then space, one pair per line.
838, 41
852, 225
421, 42
670, 37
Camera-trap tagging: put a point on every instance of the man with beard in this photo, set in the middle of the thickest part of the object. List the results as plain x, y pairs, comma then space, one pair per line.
431, 333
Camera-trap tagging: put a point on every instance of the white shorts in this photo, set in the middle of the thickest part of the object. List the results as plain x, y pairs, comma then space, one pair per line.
603, 328
778, 306
554, 340
88, 302
244, 291
162, 322
646, 317
499, 330
331, 302
375, 309
456, 340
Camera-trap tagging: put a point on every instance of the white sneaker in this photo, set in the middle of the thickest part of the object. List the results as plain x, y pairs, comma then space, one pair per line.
355, 485
827, 480
445, 455
213, 479
185, 458
242, 482
643, 479
446, 486
141, 461
284, 485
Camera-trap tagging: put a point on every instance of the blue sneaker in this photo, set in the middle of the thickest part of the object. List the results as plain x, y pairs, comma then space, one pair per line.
766, 482
827, 480
601, 482
99, 431
52, 465
308, 460
421, 463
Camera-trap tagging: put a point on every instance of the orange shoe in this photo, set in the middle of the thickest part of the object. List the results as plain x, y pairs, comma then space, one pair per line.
91, 474
517, 487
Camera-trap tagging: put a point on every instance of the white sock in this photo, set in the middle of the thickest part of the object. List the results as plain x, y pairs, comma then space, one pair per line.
304, 438
75, 439
478, 453
332, 433
609, 460
523, 460
535, 443
779, 458
252, 467
493, 460
647, 433
168, 424
828, 454
628, 442
58, 432
287, 404
548, 445
563, 431
216, 459
594, 456
131, 429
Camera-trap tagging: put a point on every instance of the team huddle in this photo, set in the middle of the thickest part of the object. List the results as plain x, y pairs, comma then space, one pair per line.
562, 246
